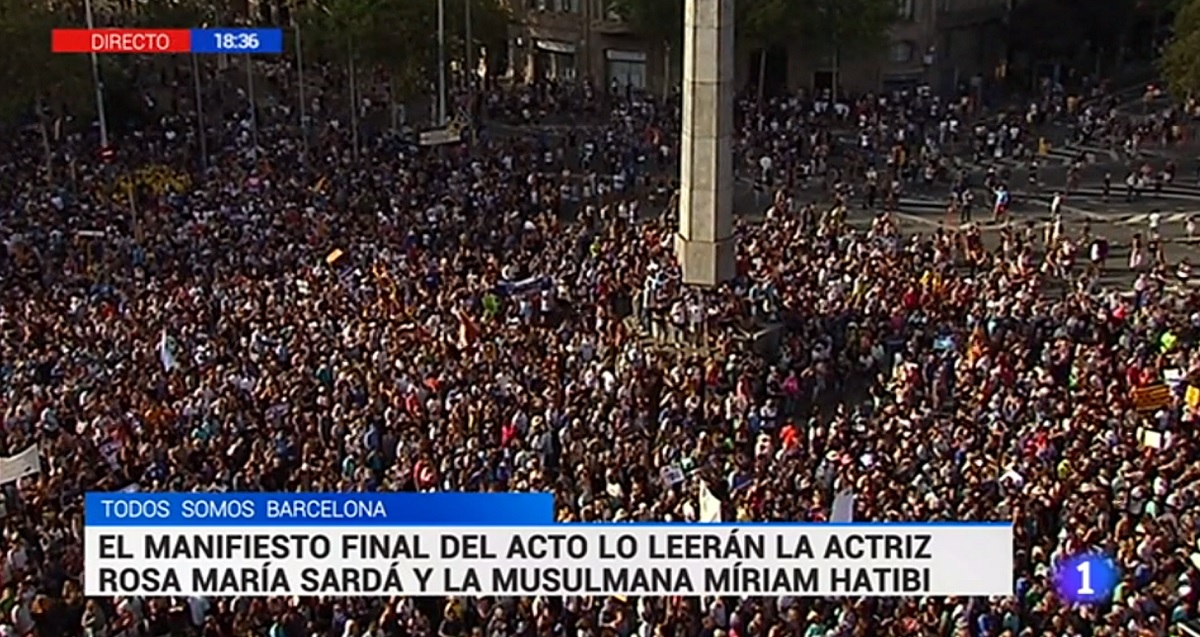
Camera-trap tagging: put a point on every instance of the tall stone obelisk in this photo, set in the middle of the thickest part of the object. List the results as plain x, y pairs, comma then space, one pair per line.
704, 245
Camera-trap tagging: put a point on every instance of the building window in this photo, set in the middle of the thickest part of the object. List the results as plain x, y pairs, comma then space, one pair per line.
560, 6
901, 52
554, 60
626, 69
906, 9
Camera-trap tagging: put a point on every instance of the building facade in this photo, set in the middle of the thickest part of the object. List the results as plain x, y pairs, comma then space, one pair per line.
940, 42
577, 39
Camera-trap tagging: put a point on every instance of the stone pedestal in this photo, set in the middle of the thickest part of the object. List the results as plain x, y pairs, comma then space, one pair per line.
704, 244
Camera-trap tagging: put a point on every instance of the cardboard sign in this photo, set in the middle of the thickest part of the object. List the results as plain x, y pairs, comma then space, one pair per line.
1150, 438
671, 475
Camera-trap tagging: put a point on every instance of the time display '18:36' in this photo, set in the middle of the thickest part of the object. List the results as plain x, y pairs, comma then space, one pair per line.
236, 41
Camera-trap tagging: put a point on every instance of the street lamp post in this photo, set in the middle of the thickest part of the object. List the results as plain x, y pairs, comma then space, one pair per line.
200, 112
441, 18
96, 81
470, 52
303, 106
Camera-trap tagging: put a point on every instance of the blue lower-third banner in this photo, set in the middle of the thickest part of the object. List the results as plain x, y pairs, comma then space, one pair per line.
318, 509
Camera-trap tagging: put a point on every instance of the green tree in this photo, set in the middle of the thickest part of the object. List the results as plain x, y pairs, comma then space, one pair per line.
1069, 31
39, 85
767, 24
1180, 63
760, 24
658, 21
490, 20
180, 14
401, 39
344, 31
840, 27
1086, 32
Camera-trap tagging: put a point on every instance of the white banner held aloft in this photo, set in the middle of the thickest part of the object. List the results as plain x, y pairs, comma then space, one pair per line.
710, 506
843, 507
26, 463
166, 352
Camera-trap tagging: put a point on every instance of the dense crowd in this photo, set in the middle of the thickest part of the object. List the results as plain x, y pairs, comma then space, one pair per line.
493, 325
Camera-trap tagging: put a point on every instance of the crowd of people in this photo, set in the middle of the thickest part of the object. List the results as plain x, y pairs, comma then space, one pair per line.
173, 328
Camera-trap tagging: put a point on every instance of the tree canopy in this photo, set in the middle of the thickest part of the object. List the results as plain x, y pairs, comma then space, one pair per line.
844, 24
401, 35
1180, 62
397, 36
35, 80
849, 25
1083, 31
658, 21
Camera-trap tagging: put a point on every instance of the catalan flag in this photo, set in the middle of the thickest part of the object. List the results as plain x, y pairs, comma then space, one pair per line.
1152, 397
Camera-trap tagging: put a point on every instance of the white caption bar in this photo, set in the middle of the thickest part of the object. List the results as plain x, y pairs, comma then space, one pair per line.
861, 560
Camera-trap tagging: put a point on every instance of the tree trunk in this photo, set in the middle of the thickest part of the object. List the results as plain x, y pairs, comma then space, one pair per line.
353, 104
837, 71
394, 102
762, 75
45, 133
666, 70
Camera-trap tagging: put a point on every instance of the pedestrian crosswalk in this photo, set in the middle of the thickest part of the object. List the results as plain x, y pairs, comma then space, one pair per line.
1064, 155
999, 162
926, 205
984, 222
1163, 219
936, 211
1185, 192
1170, 225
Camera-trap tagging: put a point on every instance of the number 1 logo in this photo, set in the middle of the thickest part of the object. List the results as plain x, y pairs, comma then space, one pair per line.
1087, 578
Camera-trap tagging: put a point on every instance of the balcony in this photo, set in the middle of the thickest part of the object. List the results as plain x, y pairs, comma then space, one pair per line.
959, 14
